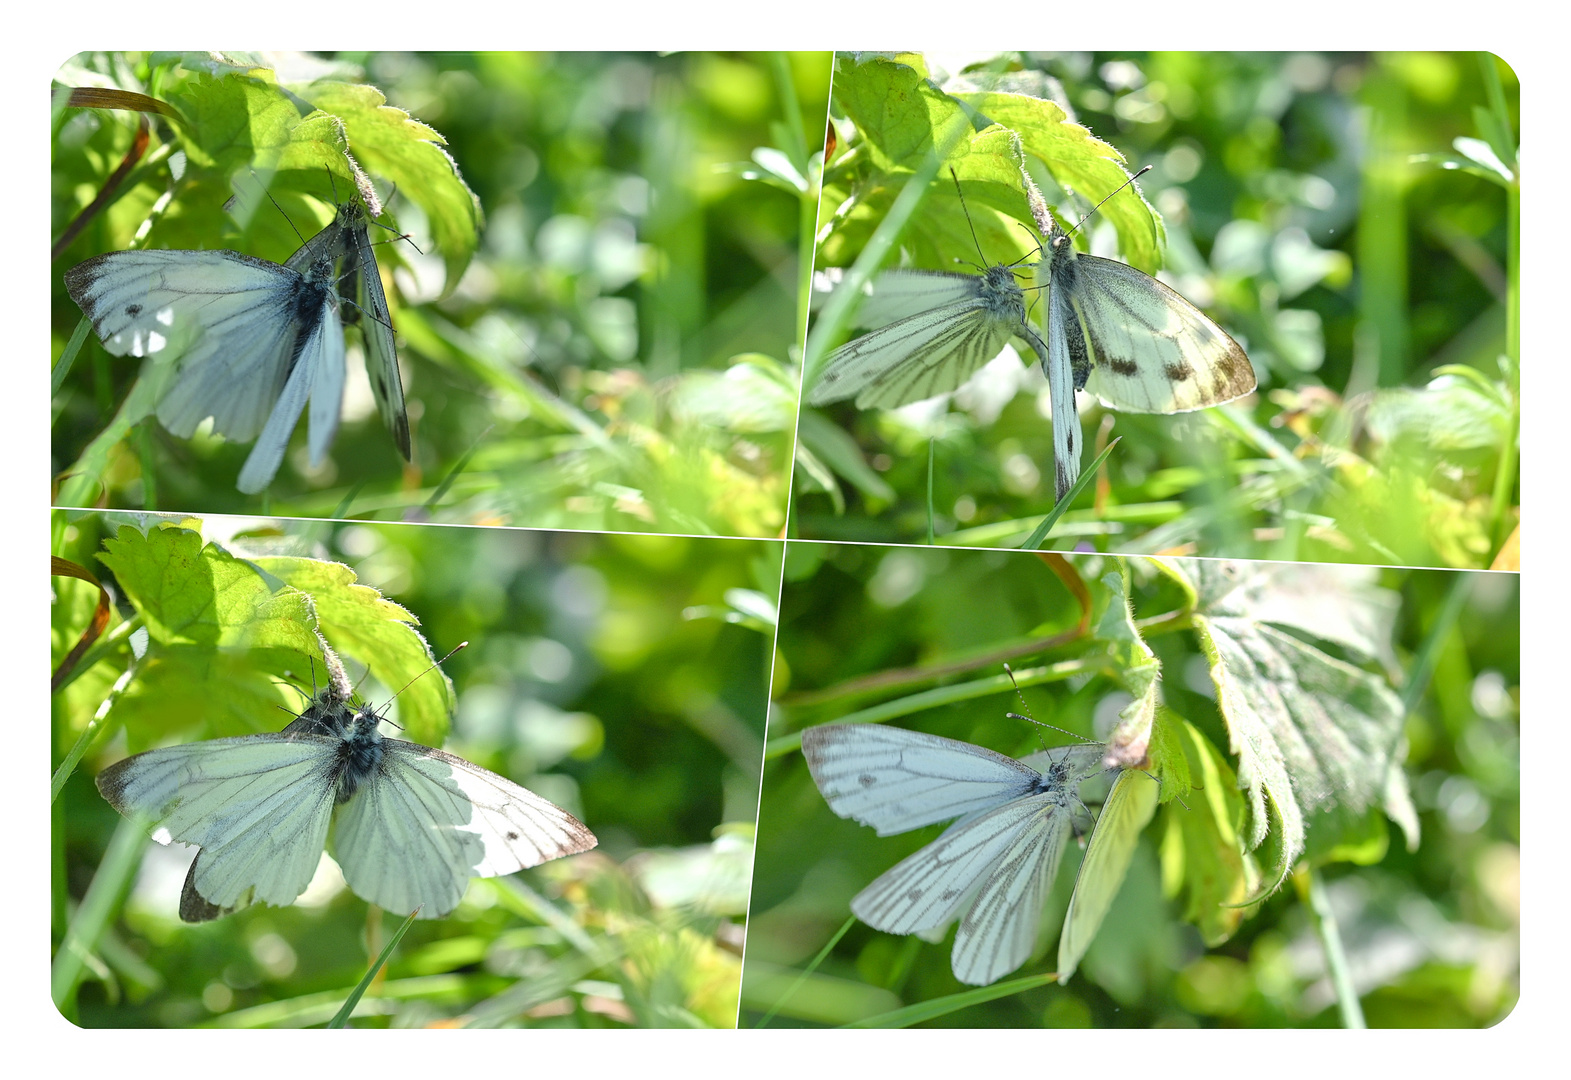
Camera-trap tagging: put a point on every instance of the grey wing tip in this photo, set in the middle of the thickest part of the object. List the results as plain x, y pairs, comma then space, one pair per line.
111, 785
400, 429
582, 839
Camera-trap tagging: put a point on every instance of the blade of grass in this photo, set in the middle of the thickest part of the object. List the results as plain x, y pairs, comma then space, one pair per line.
931, 1010
812, 967
455, 471
1039, 535
341, 1018
837, 309
1325, 924
114, 873
68, 355
94, 727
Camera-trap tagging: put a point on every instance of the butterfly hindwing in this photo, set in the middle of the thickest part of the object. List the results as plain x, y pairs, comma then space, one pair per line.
998, 933
927, 889
1059, 370
363, 280
316, 372
429, 821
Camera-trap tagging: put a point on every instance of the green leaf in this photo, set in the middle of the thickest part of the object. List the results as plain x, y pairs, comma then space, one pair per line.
189, 692
1079, 162
1314, 735
895, 107
1128, 810
1203, 859
1341, 604
389, 143
902, 116
220, 636
236, 122
191, 593
1138, 671
363, 625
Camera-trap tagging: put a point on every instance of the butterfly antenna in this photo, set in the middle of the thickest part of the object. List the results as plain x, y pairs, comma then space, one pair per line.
1036, 246
1109, 195
268, 192
964, 209
427, 671
1033, 720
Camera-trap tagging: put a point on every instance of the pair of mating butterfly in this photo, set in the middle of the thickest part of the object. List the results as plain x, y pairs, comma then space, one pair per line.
998, 861
1112, 331
413, 824
257, 339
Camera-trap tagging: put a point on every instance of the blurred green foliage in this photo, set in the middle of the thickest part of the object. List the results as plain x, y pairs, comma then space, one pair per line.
1351, 219
917, 637
620, 351
623, 677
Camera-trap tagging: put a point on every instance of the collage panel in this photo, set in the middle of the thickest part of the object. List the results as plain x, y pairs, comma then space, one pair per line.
568, 285
1010, 789
1325, 370
607, 717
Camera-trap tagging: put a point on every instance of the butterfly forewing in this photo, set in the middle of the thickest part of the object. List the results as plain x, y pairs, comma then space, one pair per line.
897, 780
429, 821
364, 280
256, 804
231, 315
1152, 350
137, 300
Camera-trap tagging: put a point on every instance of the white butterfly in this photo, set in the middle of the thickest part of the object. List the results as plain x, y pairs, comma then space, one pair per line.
935, 330
258, 339
1122, 335
359, 278
412, 825
996, 863
1111, 330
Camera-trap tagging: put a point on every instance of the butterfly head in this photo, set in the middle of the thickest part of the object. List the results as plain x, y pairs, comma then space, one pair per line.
359, 752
